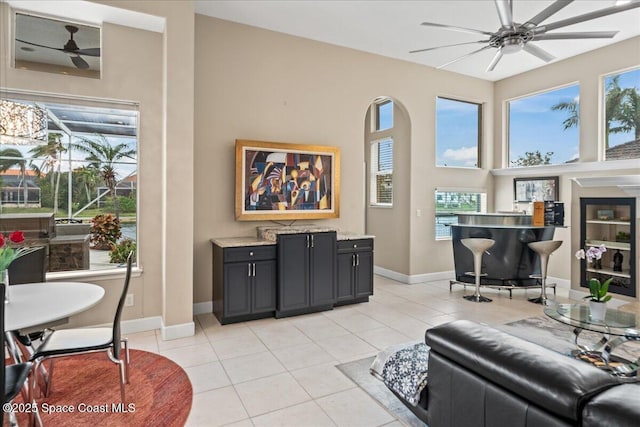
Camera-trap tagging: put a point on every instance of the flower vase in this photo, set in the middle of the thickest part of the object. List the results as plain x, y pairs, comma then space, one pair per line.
597, 264
597, 310
4, 278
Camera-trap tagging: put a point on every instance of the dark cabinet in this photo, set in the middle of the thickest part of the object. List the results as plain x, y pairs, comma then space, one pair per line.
244, 282
306, 272
355, 271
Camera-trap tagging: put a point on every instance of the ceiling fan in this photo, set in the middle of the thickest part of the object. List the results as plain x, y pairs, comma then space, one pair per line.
71, 48
513, 37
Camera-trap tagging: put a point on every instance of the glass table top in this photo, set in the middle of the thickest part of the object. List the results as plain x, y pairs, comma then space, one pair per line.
616, 322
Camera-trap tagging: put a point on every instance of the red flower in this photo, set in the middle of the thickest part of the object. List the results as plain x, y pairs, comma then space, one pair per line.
17, 237
1, 240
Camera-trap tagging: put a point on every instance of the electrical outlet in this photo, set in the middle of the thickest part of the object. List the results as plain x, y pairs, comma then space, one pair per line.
128, 301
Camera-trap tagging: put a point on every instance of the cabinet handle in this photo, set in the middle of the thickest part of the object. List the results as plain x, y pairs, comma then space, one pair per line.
312, 240
254, 269
353, 260
357, 259
249, 273
308, 245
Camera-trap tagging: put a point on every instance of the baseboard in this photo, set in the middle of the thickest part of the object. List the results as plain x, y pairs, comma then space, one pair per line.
203, 307
141, 325
177, 331
416, 278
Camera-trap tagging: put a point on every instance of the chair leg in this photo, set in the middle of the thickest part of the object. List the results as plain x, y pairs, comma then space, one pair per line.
49, 379
123, 374
125, 341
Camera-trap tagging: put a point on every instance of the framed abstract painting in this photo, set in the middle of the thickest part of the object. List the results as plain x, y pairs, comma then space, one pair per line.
540, 189
277, 180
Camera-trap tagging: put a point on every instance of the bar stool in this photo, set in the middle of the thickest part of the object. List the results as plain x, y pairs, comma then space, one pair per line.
543, 249
477, 246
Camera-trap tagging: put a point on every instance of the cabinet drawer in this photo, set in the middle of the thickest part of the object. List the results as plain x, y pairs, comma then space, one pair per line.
355, 245
250, 253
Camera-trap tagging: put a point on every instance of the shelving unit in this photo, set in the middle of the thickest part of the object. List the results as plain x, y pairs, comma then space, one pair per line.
607, 221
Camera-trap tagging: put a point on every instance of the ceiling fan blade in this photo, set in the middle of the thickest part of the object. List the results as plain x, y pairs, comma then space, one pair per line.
463, 56
505, 13
454, 28
94, 51
495, 60
80, 63
588, 16
550, 10
447, 45
576, 35
540, 53
39, 45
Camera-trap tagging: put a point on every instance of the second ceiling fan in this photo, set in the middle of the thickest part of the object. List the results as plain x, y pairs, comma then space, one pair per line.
513, 37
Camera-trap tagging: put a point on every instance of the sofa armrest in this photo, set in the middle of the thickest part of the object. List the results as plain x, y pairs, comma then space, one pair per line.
549, 379
618, 406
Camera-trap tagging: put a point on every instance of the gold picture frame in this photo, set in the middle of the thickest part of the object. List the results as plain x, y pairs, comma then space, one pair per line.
276, 180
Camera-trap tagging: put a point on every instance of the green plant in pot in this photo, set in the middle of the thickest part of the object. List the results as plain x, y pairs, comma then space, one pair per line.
598, 296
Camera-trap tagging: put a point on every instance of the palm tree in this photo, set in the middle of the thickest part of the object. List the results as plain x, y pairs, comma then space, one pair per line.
613, 106
572, 108
51, 153
103, 156
88, 177
15, 159
629, 115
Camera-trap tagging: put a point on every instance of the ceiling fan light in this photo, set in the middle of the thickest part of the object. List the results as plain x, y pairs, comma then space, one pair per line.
512, 46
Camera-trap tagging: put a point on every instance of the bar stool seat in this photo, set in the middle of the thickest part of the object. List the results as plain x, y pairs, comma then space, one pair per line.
543, 248
477, 246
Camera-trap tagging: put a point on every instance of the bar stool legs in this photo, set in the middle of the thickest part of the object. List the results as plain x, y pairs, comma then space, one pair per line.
477, 246
543, 249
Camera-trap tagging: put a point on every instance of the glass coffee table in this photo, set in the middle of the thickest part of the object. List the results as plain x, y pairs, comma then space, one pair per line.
617, 328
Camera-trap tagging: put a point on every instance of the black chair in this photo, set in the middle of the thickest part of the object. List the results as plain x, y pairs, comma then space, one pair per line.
68, 342
29, 268
13, 377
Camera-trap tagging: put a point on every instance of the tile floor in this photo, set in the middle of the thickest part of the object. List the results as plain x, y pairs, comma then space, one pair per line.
281, 372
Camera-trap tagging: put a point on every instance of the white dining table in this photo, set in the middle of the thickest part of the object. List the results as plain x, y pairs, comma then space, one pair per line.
34, 304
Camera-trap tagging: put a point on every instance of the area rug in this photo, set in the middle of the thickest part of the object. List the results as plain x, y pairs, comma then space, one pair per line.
159, 393
540, 330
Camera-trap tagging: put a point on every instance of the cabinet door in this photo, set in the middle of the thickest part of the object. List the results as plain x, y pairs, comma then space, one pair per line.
364, 274
237, 288
345, 289
293, 271
323, 268
264, 287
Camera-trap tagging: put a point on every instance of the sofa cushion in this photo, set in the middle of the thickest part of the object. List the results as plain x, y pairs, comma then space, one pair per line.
618, 406
551, 380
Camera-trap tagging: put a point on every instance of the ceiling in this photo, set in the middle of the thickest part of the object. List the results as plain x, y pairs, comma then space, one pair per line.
383, 27
392, 28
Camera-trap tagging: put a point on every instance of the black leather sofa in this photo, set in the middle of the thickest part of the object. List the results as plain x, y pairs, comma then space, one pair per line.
479, 376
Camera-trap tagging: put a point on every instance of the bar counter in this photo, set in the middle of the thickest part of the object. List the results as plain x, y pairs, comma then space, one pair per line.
510, 262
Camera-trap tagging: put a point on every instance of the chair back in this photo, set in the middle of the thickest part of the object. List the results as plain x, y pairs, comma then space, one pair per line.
29, 268
116, 320
2, 374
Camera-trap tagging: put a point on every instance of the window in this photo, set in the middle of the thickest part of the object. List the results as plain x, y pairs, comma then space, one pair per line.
543, 128
450, 203
381, 185
458, 130
384, 115
622, 115
85, 166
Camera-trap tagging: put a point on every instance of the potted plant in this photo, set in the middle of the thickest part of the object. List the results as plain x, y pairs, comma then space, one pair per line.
105, 231
598, 298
